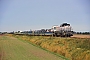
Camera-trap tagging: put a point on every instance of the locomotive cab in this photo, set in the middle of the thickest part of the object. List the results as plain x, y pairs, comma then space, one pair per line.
62, 30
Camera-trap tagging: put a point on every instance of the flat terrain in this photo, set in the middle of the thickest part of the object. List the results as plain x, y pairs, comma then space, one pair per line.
13, 49
81, 36
77, 48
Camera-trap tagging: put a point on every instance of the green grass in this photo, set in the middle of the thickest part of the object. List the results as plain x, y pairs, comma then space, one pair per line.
45, 49
72, 48
17, 49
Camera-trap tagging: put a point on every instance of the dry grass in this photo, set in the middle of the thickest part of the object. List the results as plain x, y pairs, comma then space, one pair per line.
73, 48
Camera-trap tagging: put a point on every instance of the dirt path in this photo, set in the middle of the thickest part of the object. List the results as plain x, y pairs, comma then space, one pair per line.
81, 36
13, 49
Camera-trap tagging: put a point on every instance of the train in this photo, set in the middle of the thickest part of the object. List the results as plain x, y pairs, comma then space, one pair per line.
64, 30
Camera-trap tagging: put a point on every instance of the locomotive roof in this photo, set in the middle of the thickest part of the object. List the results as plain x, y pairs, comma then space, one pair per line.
65, 24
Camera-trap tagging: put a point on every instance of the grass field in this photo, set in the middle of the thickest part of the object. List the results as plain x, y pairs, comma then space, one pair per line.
72, 48
12, 48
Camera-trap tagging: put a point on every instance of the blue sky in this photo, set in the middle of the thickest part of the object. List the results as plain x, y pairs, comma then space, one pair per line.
37, 14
